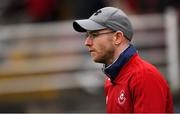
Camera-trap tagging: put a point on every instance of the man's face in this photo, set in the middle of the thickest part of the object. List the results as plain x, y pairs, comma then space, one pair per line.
100, 45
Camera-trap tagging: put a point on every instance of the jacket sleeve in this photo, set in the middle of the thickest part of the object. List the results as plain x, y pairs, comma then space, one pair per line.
150, 93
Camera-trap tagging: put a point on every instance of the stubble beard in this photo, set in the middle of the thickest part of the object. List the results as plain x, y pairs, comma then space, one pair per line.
106, 58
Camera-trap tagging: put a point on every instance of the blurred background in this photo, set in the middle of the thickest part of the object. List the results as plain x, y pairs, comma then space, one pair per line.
45, 67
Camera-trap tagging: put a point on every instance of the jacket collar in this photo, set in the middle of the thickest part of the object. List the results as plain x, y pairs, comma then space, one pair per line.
113, 70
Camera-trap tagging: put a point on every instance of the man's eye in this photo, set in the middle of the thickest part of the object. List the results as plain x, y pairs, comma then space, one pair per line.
94, 35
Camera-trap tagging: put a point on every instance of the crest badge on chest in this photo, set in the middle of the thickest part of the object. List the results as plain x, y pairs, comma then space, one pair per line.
122, 97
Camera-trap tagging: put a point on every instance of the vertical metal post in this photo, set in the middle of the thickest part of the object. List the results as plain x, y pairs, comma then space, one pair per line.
171, 33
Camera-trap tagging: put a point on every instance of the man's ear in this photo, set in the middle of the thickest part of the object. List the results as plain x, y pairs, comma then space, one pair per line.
118, 37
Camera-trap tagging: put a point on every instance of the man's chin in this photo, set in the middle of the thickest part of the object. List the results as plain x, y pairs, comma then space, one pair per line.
97, 60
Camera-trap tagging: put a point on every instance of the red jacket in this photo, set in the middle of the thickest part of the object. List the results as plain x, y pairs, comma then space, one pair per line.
136, 87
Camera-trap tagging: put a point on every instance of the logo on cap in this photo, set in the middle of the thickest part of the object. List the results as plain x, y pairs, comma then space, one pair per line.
98, 12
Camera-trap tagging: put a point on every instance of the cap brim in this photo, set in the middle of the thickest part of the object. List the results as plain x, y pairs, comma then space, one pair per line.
86, 25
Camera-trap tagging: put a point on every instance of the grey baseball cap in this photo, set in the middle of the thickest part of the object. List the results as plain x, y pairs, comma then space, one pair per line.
107, 17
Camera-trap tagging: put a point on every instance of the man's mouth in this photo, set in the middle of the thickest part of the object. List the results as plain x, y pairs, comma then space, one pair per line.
90, 50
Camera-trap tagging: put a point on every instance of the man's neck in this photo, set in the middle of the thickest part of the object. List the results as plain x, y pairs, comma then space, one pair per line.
119, 50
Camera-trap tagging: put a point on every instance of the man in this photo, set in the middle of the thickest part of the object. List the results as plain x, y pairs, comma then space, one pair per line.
132, 84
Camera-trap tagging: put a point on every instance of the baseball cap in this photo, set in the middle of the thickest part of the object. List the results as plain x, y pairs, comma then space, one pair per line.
107, 17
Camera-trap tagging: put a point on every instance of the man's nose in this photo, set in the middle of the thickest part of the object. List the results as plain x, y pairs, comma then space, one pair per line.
88, 41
